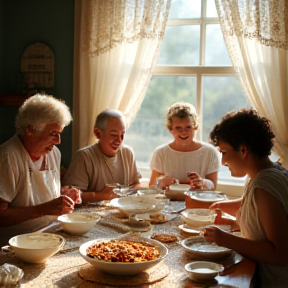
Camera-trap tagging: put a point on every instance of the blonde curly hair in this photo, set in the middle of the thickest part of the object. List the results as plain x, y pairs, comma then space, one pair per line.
182, 110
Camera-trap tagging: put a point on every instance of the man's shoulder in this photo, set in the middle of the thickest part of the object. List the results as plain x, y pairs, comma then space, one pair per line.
126, 150
88, 150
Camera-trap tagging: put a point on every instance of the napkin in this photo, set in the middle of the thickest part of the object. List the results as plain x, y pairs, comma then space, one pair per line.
10, 275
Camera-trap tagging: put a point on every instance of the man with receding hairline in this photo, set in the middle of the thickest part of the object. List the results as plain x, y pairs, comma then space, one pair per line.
105, 162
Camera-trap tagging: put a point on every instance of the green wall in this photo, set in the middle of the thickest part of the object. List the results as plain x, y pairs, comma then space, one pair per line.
24, 22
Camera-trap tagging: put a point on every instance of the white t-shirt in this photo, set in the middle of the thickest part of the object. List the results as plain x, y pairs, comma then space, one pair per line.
90, 170
177, 164
17, 184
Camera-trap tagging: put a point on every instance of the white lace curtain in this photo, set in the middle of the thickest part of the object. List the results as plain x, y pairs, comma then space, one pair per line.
256, 35
116, 46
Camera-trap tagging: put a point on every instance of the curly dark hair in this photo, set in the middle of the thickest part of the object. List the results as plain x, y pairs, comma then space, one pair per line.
244, 127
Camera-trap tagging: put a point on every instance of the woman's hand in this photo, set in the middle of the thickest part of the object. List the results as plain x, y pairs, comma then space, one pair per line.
58, 206
165, 182
220, 220
196, 182
229, 206
214, 234
73, 193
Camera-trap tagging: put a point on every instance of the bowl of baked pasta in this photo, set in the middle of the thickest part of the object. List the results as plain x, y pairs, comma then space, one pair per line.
123, 256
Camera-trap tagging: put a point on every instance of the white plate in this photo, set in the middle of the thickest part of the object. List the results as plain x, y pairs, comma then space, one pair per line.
139, 204
187, 229
200, 247
206, 196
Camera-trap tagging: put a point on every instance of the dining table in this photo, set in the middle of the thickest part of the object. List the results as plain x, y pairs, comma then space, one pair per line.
68, 268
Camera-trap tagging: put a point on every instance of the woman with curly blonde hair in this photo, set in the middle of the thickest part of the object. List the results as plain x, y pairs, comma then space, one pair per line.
184, 159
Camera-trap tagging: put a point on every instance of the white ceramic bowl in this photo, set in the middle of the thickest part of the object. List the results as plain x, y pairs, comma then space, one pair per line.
78, 223
117, 268
203, 270
122, 191
36, 247
198, 217
139, 204
199, 247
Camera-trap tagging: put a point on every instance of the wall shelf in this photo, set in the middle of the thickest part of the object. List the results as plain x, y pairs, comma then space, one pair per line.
12, 99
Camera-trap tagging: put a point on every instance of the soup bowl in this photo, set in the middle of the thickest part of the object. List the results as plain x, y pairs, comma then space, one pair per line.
36, 247
203, 270
78, 223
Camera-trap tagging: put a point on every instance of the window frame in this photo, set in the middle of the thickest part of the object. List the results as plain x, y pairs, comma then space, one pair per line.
233, 188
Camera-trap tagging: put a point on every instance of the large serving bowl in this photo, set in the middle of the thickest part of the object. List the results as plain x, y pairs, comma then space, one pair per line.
78, 223
201, 248
36, 247
203, 270
123, 268
198, 217
139, 204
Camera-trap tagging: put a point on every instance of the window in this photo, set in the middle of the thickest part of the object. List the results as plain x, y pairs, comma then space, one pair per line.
193, 66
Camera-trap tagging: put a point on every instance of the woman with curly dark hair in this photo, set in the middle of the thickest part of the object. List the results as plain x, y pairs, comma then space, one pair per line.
245, 140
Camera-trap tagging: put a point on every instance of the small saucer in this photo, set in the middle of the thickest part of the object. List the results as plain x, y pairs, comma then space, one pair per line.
187, 229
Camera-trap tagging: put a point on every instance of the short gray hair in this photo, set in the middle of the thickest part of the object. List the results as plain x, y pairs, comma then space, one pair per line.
102, 118
40, 110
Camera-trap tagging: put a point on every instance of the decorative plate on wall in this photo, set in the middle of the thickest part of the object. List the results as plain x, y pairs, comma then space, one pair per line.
37, 66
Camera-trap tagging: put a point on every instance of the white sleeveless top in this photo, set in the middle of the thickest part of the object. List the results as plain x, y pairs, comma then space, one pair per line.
274, 181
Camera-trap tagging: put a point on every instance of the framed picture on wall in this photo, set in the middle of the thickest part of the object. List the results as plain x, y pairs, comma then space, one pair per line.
37, 66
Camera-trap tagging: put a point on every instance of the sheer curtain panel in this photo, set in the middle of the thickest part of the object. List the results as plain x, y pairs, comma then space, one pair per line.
116, 46
256, 36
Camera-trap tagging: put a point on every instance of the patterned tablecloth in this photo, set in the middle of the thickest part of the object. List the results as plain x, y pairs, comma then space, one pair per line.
62, 270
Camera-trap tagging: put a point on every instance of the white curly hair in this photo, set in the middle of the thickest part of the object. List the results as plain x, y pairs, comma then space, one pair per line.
40, 110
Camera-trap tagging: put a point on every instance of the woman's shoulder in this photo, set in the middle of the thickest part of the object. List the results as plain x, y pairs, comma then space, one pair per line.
275, 176
12, 148
10, 145
162, 148
208, 148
